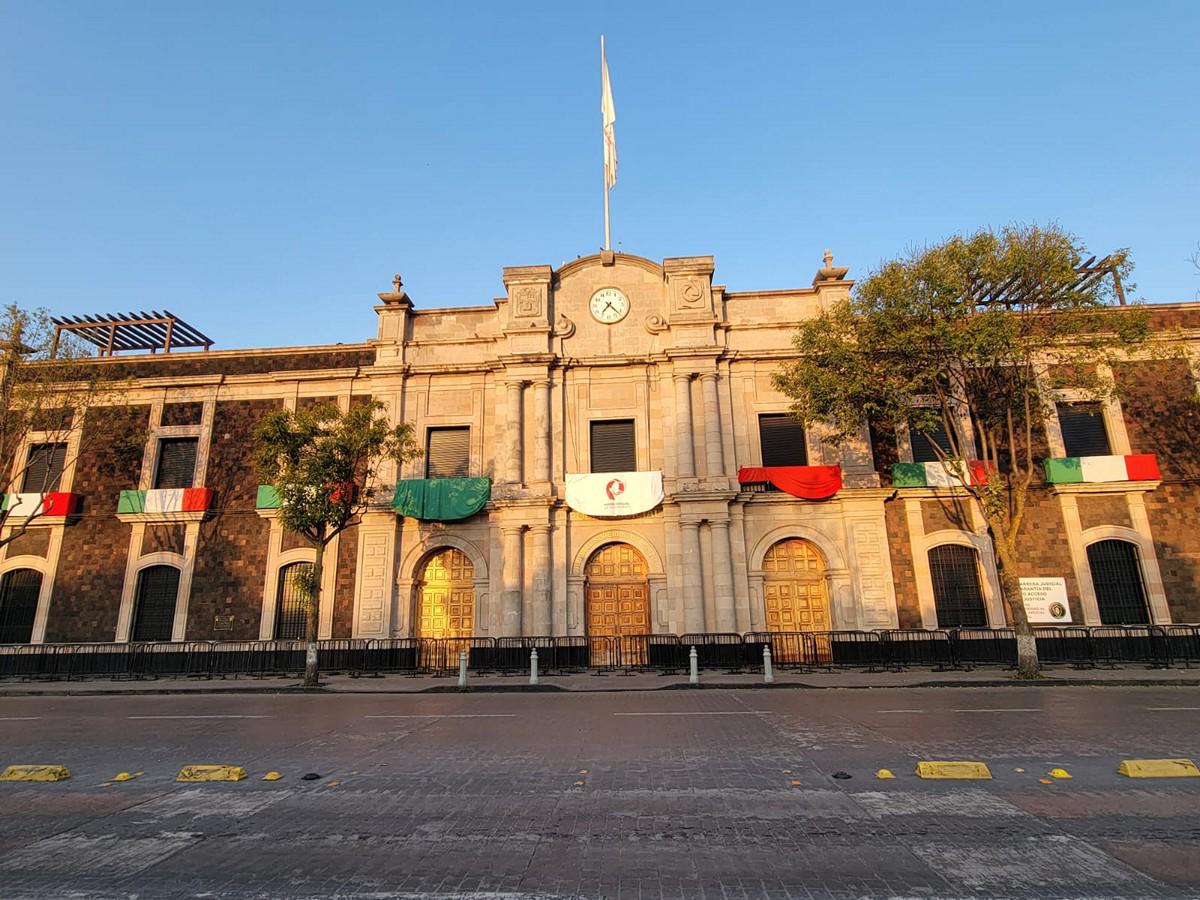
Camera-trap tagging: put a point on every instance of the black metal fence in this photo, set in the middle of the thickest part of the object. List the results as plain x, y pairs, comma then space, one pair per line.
939, 649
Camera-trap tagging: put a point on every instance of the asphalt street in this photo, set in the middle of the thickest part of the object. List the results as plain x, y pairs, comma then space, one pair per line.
676, 794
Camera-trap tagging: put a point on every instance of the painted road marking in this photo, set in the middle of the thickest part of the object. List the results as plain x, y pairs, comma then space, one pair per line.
18, 718
899, 711
749, 712
452, 716
201, 717
1010, 709
1173, 708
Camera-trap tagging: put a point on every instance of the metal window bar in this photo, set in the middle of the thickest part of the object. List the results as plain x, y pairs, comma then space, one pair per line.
957, 594
291, 607
154, 615
1117, 576
19, 591
176, 463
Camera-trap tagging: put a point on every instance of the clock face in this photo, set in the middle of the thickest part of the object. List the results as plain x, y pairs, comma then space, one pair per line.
608, 305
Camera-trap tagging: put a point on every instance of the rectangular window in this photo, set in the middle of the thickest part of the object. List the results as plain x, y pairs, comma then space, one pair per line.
613, 446
448, 452
44, 470
1083, 430
783, 441
922, 446
176, 463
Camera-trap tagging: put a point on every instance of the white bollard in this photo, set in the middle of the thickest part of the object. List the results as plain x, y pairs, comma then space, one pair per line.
693, 668
462, 668
768, 669
533, 668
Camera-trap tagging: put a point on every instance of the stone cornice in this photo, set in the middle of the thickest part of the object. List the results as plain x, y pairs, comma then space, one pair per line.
1107, 487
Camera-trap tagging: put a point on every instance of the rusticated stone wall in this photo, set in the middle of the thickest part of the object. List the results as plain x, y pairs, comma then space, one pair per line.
91, 567
343, 595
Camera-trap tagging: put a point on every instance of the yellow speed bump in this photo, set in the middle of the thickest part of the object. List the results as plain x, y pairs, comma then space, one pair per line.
35, 773
1158, 768
211, 773
127, 776
272, 776
953, 770
1060, 774
884, 774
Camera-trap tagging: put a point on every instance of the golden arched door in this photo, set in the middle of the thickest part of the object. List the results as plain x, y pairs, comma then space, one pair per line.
618, 595
446, 596
794, 590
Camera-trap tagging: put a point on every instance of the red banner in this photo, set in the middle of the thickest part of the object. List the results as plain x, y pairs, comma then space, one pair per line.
805, 482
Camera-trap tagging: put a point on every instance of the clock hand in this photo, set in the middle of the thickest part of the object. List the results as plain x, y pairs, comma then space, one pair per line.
608, 305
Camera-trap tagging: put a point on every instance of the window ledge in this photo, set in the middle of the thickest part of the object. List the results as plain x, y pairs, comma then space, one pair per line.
1105, 487
162, 518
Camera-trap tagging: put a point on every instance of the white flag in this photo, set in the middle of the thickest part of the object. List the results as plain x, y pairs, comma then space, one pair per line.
609, 114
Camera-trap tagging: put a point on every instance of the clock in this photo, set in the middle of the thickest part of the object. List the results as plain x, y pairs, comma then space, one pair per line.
609, 305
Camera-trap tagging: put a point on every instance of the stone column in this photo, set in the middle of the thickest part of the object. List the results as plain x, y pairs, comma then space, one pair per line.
511, 601
540, 561
693, 575
685, 463
541, 420
513, 432
714, 458
723, 577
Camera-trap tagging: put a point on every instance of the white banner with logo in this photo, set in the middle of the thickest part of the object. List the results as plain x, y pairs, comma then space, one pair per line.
612, 494
1046, 601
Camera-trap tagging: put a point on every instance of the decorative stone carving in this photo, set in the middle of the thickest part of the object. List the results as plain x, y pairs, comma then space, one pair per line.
563, 327
691, 294
527, 302
655, 324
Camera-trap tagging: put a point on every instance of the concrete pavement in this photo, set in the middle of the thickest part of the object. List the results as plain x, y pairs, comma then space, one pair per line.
623, 794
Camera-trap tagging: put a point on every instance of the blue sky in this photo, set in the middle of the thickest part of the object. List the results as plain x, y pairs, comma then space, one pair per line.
262, 168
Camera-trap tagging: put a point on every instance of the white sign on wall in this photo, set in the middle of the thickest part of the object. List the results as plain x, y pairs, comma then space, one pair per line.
1046, 601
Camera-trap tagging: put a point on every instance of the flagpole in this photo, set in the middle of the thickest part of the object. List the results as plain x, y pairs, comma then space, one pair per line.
604, 157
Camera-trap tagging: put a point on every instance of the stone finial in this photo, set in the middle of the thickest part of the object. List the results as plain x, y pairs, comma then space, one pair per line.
830, 272
397, 283
828, 257
396, 295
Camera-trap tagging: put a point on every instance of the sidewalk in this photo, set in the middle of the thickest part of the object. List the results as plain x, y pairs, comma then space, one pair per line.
584, 682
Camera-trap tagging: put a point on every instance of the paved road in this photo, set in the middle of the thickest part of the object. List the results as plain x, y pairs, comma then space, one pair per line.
666, 794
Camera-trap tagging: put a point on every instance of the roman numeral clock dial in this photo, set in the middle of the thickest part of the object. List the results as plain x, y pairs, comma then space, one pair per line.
608, 305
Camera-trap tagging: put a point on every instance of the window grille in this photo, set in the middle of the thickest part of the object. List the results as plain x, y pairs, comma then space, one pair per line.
176, 463
922, 446
19, 591
1117, 577
448, 453
613, 446
43, 473
957, 594
1083, 430
783, 441
154, 614
291, 609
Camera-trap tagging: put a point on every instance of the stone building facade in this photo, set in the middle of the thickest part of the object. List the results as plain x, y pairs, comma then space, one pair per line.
610, 357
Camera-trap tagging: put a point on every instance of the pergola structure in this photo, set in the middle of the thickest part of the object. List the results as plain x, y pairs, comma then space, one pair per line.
1014, 291
146, 331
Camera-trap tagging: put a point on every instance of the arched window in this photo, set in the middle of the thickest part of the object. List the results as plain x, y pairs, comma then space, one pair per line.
154, 614
957, 594
19, 591
291, 608
1117, 577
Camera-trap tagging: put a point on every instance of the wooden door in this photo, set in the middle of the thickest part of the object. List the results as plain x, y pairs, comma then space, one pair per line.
446, 597
794, 594
618, 603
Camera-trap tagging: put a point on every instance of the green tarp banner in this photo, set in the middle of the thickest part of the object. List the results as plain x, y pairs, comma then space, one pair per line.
441, 499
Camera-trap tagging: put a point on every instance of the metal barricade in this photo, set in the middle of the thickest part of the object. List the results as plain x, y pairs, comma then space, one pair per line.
603, 654
342, 655
1063, 644
570, 654
716, 651
108, 660
918, 647
846, 649
440, 655
163, 659
1182, 643
789, 649
20, 661
391, 655
1113, 644
236, 658
984, 646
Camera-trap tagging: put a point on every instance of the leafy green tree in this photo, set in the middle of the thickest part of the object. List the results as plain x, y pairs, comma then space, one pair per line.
322, 462
980, 329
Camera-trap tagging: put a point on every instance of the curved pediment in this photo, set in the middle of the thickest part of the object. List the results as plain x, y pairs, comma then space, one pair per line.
598, 259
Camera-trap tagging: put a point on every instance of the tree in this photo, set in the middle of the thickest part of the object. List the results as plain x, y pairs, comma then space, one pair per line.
321, 462
979, 329
47, 386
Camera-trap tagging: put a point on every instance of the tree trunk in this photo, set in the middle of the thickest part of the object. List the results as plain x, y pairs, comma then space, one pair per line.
1010, 588
312, 674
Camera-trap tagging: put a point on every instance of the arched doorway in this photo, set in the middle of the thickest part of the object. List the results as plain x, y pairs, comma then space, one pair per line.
794, 591
446, 596
154, 613
19, 591
1117, 578
291, 607
957, 592
618, 603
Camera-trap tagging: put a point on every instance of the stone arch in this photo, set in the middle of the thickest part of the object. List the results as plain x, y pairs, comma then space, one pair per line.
584, 262
834, 559
43, 592
415, 558
585, 551
411, 566
989, 579
1156, 598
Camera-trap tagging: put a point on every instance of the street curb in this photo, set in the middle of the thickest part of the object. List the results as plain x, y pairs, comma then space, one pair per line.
603, 689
